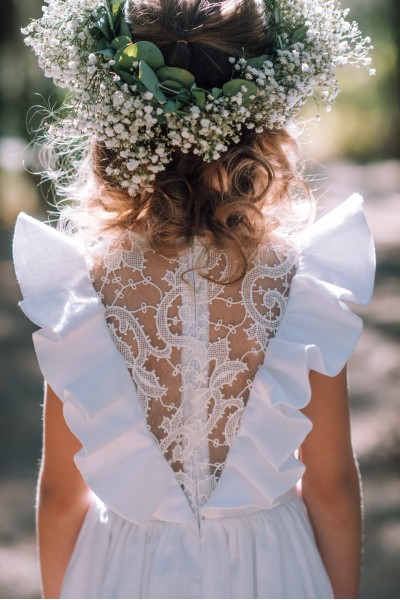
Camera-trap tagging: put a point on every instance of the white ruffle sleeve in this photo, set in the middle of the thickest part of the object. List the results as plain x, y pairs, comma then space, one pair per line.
318, 332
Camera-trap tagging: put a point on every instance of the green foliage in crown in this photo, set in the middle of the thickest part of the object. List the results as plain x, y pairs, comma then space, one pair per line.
125, 96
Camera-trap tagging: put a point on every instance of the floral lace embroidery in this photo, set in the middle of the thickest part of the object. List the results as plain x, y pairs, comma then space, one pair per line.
192, 346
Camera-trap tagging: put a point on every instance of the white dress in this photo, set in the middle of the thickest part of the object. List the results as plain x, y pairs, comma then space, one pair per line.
186, 396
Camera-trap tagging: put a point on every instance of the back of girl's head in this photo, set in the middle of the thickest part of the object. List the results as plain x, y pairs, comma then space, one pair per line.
231, 203
176, 122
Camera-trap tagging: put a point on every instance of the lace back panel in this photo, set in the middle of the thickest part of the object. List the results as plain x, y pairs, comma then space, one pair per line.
192, 346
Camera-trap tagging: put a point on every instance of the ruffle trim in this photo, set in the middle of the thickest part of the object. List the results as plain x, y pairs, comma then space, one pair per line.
318, 332
120, 459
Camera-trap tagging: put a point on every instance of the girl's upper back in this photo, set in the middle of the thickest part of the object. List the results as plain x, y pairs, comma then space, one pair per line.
192, 346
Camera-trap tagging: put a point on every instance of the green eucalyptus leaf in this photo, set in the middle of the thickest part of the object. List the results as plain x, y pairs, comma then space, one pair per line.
140, 87
150, 81
117, 23
109, 16
169, 106
299, 35
126, 76
170, 86
103, 26
96, 33
120, 42
117, 7
200, 97
145, 51
123, 29
216, 93
107, 4
106, 52
233, 87
277, 16
102, 44
125, 57
185, 96
257, 62
183, 77
118, 16
150, 53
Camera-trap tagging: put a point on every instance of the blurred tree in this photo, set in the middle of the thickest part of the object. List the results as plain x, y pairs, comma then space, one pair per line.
8, 25
364, 124
396, 83
379, 100
21, 79
8, 28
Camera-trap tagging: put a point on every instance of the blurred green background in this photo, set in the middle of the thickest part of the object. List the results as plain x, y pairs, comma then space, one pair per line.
358, 146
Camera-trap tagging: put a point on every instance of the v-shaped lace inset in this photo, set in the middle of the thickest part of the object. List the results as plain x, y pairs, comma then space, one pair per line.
192, 346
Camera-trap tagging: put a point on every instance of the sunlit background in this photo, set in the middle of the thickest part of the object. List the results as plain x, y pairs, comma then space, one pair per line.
354, 148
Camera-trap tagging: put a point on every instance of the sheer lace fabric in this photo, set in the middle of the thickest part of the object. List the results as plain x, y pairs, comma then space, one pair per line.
192, 346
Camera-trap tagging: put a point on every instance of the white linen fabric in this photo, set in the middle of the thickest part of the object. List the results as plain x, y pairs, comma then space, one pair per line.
212, 511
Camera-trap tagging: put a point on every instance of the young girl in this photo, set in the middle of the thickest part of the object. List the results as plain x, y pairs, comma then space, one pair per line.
194, 334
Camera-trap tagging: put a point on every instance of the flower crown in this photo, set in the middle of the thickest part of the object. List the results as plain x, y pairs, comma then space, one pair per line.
142, 110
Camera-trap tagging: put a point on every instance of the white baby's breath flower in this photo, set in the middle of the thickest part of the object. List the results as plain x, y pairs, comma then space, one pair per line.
130, 121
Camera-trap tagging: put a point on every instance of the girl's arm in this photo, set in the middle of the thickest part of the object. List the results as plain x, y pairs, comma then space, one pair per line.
63, 497
331, 484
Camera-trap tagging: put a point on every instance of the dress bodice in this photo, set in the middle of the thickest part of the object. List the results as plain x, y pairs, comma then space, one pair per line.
192, 346
183, 357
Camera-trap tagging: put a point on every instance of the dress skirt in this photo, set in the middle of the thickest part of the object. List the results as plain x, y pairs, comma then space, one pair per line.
267, 554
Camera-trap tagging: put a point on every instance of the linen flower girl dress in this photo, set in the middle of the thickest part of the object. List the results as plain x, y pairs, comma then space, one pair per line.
186, 396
